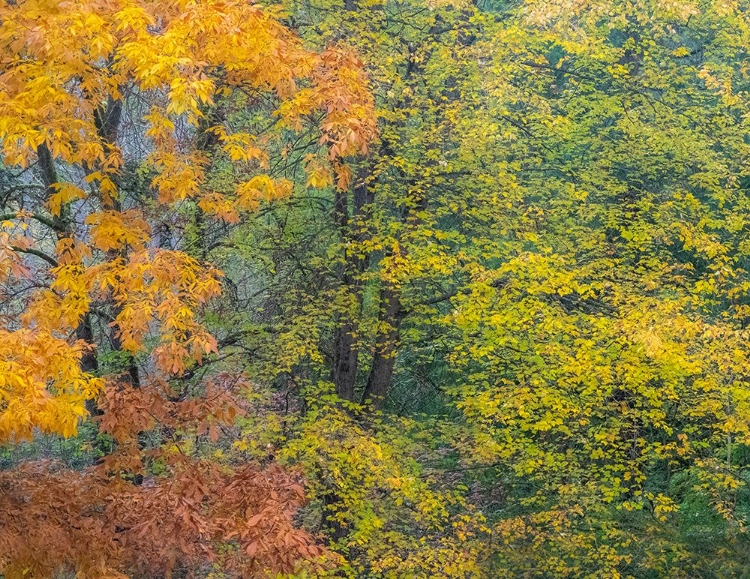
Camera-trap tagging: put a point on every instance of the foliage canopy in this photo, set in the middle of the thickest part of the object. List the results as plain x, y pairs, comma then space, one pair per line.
412, 288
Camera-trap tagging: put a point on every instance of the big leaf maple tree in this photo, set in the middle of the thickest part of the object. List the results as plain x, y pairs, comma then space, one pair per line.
108, 113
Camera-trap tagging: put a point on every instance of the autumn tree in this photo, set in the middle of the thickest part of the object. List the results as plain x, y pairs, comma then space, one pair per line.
601, 352
111, 117
341, 290
545, 251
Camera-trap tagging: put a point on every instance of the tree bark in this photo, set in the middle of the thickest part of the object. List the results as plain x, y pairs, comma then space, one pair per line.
386, 347
353, 232
107, 119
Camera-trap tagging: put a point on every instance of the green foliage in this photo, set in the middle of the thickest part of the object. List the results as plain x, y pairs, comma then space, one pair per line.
558, 200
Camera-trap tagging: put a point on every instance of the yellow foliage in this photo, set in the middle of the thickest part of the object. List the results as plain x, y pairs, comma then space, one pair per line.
41, 384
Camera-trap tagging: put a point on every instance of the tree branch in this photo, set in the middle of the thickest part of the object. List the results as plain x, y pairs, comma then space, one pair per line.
40, 254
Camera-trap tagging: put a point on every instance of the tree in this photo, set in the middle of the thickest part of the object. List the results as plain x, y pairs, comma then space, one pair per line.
341, 291
109, 126
600, 359
540, 250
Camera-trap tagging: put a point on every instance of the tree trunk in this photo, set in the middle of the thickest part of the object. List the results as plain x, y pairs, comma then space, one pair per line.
386, 347
346, 342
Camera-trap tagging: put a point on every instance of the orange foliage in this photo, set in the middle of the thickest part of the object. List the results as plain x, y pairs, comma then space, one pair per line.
70, 72
97, 526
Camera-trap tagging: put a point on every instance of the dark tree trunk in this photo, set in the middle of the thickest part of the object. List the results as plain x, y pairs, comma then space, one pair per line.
386, 347
346, 359
352, 231
107, 119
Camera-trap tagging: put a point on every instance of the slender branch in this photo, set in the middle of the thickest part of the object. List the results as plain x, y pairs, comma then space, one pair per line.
46, 221
40, 254
36, 216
